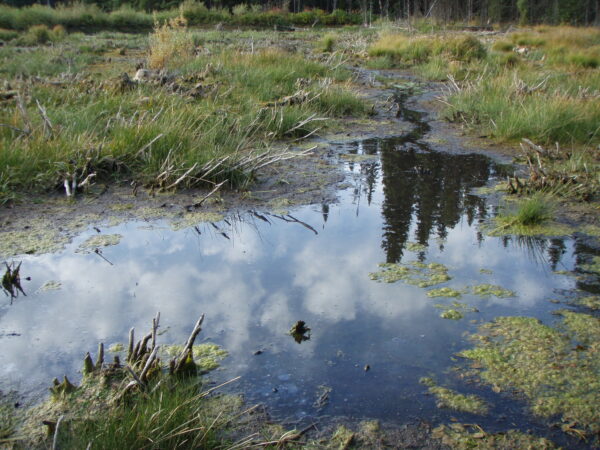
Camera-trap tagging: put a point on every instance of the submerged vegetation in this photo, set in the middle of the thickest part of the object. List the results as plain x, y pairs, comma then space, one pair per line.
415, 272
557, 369
447, 398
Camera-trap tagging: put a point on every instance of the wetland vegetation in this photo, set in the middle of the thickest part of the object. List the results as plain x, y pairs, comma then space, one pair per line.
178, 107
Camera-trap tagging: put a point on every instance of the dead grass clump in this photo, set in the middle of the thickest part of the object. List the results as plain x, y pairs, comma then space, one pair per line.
171, 44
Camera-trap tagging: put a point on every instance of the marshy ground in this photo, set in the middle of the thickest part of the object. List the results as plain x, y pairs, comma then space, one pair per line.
358, 183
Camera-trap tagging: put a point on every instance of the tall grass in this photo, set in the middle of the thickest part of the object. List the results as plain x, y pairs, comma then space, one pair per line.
179, 416
156, 133
88, 17
420, 49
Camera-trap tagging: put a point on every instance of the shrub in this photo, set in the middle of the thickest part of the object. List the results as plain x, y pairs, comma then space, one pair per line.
7, 35
503, 46
533, 211
58, 33
37, 34
466, 48
170, 44
327, 43
584, 60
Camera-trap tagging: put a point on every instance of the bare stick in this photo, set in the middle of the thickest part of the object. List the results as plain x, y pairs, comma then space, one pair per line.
155, 321
189, 344
131, 340
67, 187
182, 177
100, 357
144, 372
23, 110
55, 439
145, 147
48, 129
135, 377
215, 189
144, 343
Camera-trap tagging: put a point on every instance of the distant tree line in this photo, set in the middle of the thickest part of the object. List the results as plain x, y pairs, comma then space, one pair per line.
574, 12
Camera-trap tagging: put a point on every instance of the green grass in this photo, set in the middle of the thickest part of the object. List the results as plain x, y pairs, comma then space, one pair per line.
169, 417
89, 17
149, 132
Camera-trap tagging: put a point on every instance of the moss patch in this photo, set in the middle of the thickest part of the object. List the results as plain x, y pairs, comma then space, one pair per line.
444, 292
459, 436
593, 266
488, 290
502, 227
447, 398
280, 205
51, 285
206, 356
101, 240
34, 241
590, 302
415, 272
415, 247
190, 219
556, 369
116, 348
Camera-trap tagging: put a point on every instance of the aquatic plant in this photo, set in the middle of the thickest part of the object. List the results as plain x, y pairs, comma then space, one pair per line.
487, 290
444, 292
452, 314
465, 437
541, 362
414, 272
448, 398
100, 240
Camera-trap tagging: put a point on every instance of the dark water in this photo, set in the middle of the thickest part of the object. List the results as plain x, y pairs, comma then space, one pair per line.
267, 271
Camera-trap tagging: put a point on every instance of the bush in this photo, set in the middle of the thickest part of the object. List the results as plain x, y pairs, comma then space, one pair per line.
327, 43
170, 44
466, 48
586, 61
37, 34
7, 35
503, 46
58, 33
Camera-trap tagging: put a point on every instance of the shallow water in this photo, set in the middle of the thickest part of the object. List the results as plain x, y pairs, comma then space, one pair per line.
256, 274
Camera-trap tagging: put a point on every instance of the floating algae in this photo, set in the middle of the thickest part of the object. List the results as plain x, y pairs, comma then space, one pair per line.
452, 314
415, 247
487, 290
593, 267
591, 302
51, 285
485, 271
455, 311
502, 227
34, 241
415, 272
116, 348
194, 218
101, 240
463, 437
206, 356
556, 369
443, 292
447, 398
121, 206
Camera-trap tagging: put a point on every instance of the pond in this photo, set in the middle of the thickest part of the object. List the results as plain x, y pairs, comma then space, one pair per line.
256, 273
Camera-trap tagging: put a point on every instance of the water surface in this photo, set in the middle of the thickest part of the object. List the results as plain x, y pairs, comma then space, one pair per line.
257, 273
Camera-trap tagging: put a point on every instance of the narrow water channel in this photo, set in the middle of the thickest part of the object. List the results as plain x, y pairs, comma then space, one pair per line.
257, 273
